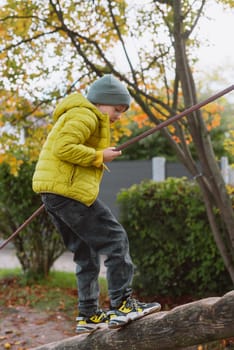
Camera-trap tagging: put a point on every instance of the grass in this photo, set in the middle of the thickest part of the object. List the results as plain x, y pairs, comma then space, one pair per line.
6, 273
59, 279
57, 292
55, 279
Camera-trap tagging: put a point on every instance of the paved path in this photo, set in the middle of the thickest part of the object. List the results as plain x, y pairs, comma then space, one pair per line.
9, 260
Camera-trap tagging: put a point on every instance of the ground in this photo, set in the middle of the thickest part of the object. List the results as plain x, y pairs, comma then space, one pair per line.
24, 328
34, 315
31, 316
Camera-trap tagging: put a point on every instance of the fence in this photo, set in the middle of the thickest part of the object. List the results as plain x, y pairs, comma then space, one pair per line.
123, 174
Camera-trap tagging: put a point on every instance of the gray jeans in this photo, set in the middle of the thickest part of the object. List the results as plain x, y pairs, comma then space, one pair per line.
89, 232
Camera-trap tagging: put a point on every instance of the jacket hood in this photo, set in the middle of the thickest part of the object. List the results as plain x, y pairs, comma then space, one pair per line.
73, 101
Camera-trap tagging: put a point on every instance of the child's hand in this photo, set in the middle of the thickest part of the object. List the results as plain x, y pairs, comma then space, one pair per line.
109, 154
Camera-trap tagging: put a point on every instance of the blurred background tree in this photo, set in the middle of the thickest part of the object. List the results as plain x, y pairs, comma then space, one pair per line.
49, 49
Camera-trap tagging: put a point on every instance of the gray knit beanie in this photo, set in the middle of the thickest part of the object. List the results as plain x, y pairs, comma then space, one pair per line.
108, 91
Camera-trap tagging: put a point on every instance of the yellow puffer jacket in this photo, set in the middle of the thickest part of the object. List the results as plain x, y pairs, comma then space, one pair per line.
71, 161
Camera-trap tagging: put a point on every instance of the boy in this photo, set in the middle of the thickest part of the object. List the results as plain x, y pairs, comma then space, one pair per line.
68, 175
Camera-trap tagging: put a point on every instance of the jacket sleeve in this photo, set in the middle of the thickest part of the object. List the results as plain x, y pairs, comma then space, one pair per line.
98, 162
76, 126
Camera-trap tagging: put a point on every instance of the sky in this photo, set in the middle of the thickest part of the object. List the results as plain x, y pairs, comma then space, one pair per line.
216, 34
215, 66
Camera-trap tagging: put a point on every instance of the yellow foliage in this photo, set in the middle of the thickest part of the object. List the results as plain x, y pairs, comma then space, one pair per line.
12, 161
171, 128
141, 119
15, 118
118, 130
211, 115
230, 189
34, 141
92, 20
229, 143
176, 138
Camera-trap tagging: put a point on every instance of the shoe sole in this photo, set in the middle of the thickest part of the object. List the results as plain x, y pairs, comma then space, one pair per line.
91, 330
131, 318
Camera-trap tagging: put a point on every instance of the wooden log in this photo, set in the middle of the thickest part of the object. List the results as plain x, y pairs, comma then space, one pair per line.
191, 324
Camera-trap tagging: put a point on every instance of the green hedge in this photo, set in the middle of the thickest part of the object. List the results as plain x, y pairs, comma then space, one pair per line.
170, 240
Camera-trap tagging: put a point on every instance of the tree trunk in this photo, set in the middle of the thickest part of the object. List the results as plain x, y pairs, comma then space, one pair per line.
210, 181
186, 325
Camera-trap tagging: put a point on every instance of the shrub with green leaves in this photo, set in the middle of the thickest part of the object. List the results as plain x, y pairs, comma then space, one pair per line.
170, 240
38, 245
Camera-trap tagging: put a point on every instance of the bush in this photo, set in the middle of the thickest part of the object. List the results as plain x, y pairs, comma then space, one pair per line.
38, 245
170, 239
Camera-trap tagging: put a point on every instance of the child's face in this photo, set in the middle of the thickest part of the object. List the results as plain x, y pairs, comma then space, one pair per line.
114, 112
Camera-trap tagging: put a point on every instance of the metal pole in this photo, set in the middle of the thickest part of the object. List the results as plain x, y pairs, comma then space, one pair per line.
133, 140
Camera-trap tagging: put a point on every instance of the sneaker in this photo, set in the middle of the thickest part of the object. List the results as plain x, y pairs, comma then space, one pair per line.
89, 324
130, 309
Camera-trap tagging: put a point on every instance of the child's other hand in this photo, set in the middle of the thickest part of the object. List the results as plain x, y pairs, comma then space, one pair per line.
109, 154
